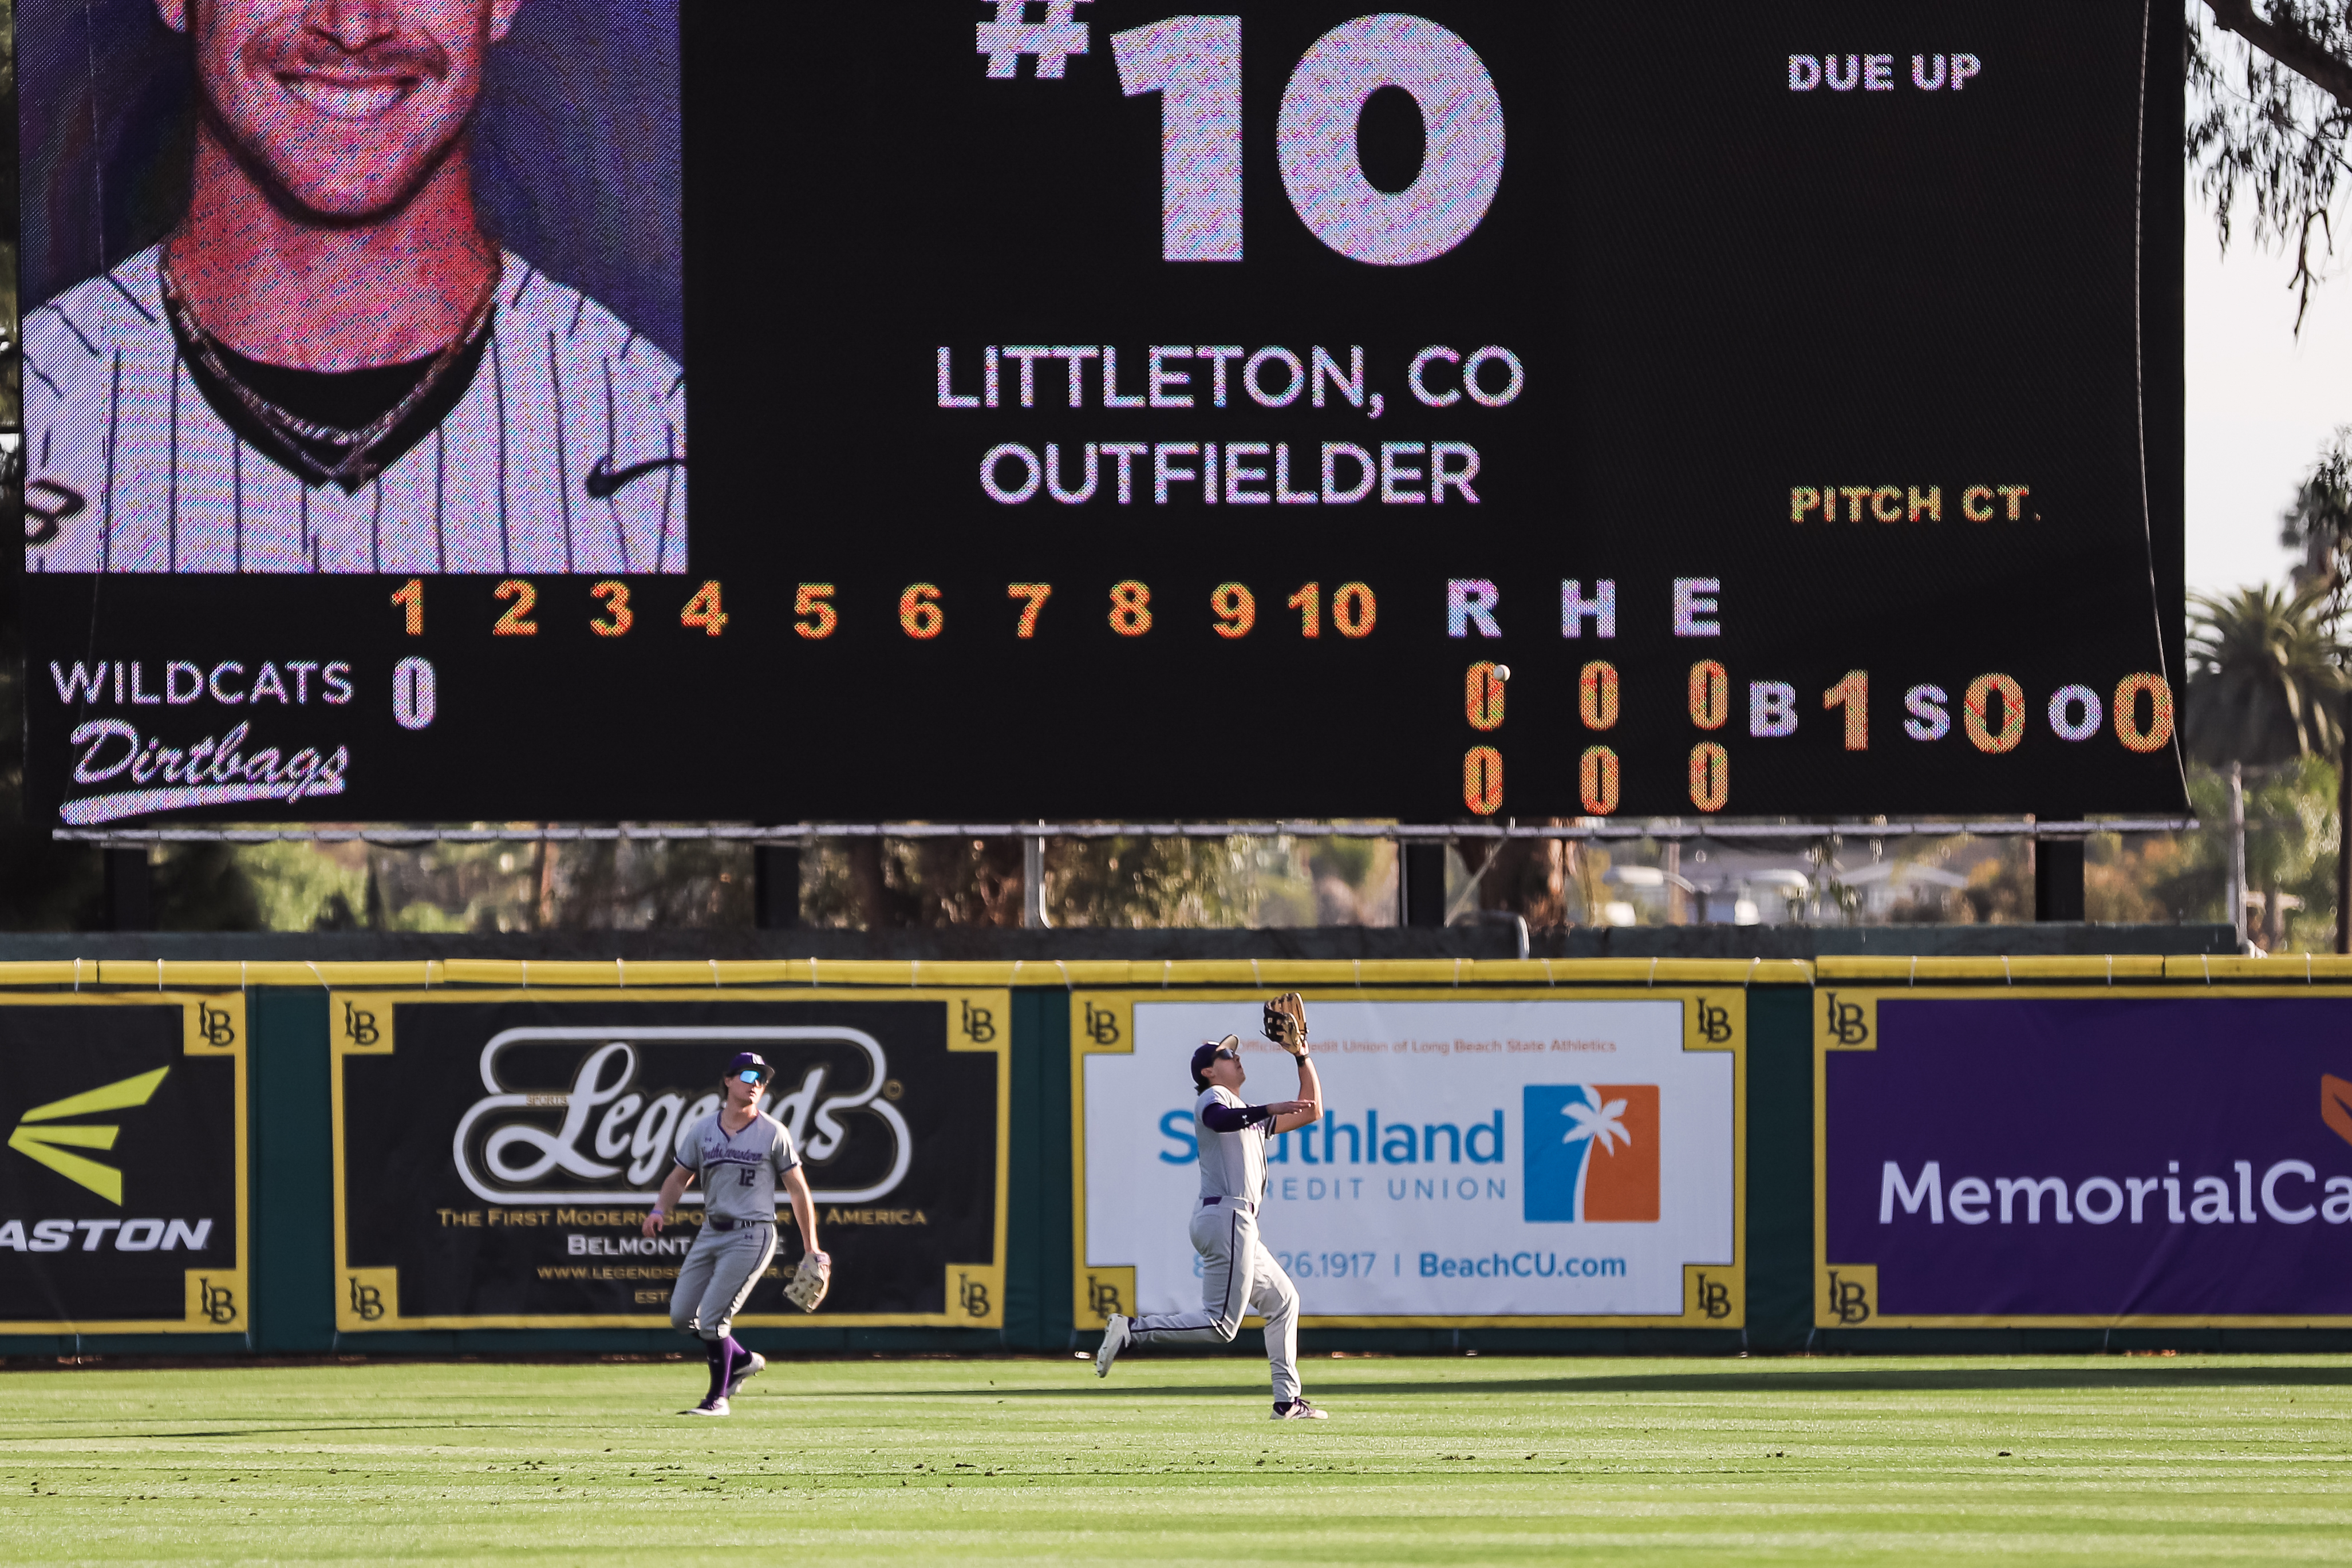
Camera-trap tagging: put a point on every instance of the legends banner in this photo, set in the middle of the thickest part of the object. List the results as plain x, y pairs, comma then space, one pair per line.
2058, 1158
1525, 1160
496, 1152
123, 1190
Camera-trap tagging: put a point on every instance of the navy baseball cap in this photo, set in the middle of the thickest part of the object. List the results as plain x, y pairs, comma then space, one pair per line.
750, 1062
1210, 1051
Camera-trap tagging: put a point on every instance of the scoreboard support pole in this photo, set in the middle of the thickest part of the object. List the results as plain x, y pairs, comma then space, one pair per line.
2058, 880
129, 891
775, 886
1421, 886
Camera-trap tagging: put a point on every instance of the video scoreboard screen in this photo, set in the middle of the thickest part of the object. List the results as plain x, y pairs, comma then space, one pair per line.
595, 409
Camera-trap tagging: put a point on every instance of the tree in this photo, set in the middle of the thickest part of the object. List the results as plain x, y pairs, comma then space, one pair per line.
2265, 677
2270, 109
2319, 523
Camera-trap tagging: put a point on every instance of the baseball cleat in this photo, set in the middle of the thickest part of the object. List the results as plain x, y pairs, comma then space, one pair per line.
1116, 1338
751, 1369
1300, 1409
709, 1408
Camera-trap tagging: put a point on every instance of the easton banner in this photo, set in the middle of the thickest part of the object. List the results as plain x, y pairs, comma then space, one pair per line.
1556, 409
122, 1189
496, 1152
1524, 1159
2061, 1157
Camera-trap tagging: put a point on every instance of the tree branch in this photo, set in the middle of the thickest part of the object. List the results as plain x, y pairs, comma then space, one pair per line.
2289, 46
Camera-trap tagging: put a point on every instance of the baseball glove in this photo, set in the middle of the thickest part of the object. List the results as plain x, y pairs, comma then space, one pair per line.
1286, 1022
810, 1281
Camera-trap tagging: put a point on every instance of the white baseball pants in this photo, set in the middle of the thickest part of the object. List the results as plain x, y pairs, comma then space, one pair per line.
1236, 1272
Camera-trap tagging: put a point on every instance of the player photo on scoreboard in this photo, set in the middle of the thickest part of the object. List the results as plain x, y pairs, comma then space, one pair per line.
352, 286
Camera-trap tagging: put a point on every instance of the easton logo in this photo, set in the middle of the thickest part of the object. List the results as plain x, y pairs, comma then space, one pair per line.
37, 1140
1592, 1152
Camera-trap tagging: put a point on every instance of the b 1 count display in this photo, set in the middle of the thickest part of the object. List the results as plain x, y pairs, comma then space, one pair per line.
1533, 413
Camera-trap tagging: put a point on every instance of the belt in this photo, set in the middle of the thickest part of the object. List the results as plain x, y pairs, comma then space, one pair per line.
1244, 1205
718, 1223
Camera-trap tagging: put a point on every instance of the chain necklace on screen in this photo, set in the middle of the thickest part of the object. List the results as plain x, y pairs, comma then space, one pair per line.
355, 446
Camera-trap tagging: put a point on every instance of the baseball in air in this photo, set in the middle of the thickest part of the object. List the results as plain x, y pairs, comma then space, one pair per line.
1502, 671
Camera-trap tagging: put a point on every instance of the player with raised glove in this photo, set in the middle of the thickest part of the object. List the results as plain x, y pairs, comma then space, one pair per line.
1237, 1273
740, 1154
1286, 1022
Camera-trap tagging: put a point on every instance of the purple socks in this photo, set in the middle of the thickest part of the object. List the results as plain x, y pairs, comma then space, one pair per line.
726, 1355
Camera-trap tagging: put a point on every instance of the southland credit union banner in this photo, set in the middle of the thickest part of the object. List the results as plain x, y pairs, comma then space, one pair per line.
1520, 1159
2061, 1157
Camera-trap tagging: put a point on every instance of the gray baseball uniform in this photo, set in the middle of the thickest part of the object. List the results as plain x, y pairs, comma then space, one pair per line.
1235, 1268
738, 1171
565, 453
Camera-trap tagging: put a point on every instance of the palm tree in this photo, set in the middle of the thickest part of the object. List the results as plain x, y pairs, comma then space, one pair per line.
2266, 677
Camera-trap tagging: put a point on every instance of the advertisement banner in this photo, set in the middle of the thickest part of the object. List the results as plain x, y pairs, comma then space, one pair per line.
2076, 1157
1522, 1158
496, 1152
122, 1189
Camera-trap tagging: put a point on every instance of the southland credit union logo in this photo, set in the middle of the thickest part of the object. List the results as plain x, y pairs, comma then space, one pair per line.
1592, 1152
37, 1139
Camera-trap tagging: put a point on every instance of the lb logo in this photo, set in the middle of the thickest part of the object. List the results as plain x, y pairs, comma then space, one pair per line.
367, 1301
1102, 1297
1846, 1021
218, 1303
972, 1295
1102, 1025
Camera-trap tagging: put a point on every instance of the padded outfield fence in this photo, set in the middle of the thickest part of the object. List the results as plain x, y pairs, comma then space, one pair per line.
1574, 1156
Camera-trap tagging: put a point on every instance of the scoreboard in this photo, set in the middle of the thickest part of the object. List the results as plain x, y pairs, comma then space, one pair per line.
1084, 408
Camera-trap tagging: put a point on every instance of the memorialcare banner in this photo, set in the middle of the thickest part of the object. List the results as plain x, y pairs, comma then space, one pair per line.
122, 1189
1527, 1159
496, 1152
2062, 1157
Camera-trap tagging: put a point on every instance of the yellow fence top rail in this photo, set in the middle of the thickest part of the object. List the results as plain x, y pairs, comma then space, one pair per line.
173, 974
1849, 970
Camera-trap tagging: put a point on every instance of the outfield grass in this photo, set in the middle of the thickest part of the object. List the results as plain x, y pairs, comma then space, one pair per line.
1490, 1459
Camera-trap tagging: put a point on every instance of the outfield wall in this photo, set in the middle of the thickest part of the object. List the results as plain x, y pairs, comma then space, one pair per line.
440, 1157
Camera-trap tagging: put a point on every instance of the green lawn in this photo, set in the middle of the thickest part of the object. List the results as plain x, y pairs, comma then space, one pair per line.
1489, 1459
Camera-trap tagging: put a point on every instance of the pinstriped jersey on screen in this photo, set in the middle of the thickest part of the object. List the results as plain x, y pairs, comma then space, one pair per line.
565, 455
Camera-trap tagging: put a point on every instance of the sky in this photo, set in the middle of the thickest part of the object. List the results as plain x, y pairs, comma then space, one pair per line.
2260, 402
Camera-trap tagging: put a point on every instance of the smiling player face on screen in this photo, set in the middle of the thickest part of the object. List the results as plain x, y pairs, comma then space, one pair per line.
331, 364
344, 107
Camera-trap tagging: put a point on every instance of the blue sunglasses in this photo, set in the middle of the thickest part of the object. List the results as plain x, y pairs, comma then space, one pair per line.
749, 1075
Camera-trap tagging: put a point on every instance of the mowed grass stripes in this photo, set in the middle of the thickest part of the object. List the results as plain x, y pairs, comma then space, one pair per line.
1475, 1459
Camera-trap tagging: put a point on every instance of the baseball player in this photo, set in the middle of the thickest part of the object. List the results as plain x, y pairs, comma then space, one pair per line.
328, 366
1235, 1267
738, 1153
